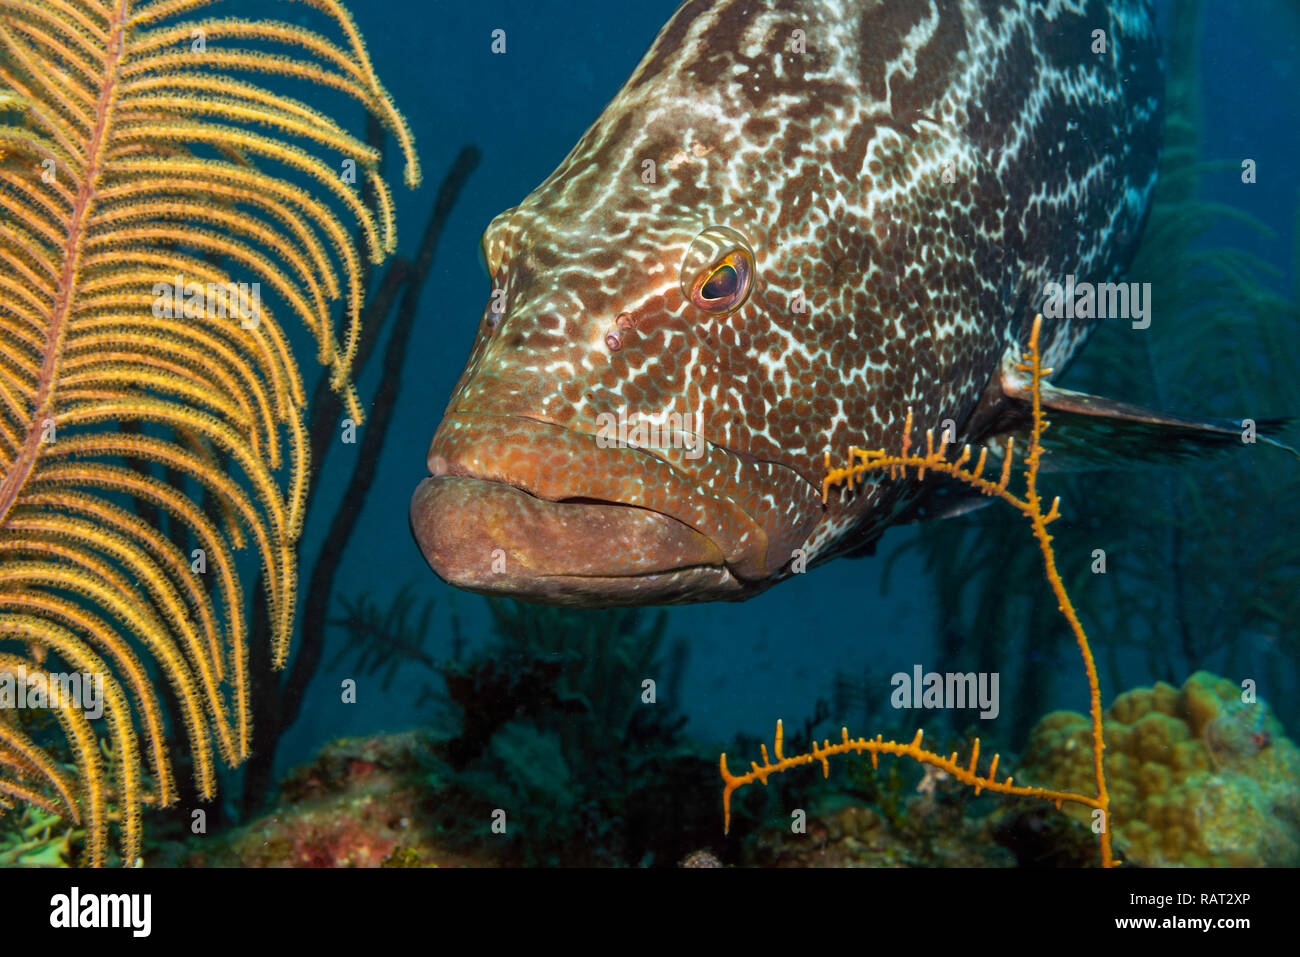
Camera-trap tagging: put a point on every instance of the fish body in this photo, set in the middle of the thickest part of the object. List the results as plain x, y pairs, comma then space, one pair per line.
796, 221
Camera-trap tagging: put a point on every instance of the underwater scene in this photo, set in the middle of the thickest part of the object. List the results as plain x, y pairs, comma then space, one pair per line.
738, 433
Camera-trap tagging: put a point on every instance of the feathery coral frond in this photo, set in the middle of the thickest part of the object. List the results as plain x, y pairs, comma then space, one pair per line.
148, 196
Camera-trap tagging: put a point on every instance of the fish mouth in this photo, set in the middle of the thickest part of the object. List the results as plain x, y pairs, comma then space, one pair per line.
521, 507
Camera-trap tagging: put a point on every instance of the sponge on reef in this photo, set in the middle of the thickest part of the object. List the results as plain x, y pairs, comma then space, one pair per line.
1197, 776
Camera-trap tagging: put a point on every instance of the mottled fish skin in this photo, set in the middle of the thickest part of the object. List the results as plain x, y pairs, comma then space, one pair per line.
831, 162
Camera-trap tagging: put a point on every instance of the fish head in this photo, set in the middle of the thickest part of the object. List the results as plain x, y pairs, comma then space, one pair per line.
667, 352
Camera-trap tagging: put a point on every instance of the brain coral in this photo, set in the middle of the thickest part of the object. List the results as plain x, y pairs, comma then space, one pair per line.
1197, 776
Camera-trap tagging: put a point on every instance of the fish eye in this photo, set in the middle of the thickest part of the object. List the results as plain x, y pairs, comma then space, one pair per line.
718, 271
722, 284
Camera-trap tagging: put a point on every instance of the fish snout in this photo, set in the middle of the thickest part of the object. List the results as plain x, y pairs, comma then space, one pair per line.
520, 507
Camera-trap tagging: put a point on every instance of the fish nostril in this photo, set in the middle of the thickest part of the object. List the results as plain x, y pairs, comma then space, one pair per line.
621, 331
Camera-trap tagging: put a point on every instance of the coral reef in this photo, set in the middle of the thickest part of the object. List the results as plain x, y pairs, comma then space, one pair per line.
931, 835
559, 741
566, 725
867, 816
373, 802
363, 802
700, 859
38, 838
1198, 776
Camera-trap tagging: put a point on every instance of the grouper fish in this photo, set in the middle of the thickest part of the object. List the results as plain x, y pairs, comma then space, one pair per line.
796, 221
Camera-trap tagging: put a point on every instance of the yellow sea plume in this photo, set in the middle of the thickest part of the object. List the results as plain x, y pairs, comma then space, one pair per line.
936, 459
150, 424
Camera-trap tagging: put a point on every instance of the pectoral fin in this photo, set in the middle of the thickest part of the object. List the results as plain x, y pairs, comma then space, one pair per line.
1094, 432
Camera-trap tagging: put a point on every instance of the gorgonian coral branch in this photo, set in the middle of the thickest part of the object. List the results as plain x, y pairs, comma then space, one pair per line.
936, 459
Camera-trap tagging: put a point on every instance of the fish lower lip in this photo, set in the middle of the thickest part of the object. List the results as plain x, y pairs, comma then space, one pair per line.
491, 537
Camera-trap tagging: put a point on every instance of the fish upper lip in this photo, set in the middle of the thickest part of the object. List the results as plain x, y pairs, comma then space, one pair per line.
568, 467
650, 452
440, 466
449, 470
457, 471
467, 473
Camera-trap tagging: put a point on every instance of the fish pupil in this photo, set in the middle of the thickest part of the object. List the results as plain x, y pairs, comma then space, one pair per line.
723, 283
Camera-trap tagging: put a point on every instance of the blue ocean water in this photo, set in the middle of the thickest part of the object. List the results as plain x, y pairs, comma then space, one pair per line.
776, 654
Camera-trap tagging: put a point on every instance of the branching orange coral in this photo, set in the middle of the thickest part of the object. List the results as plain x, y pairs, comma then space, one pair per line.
1030, 505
